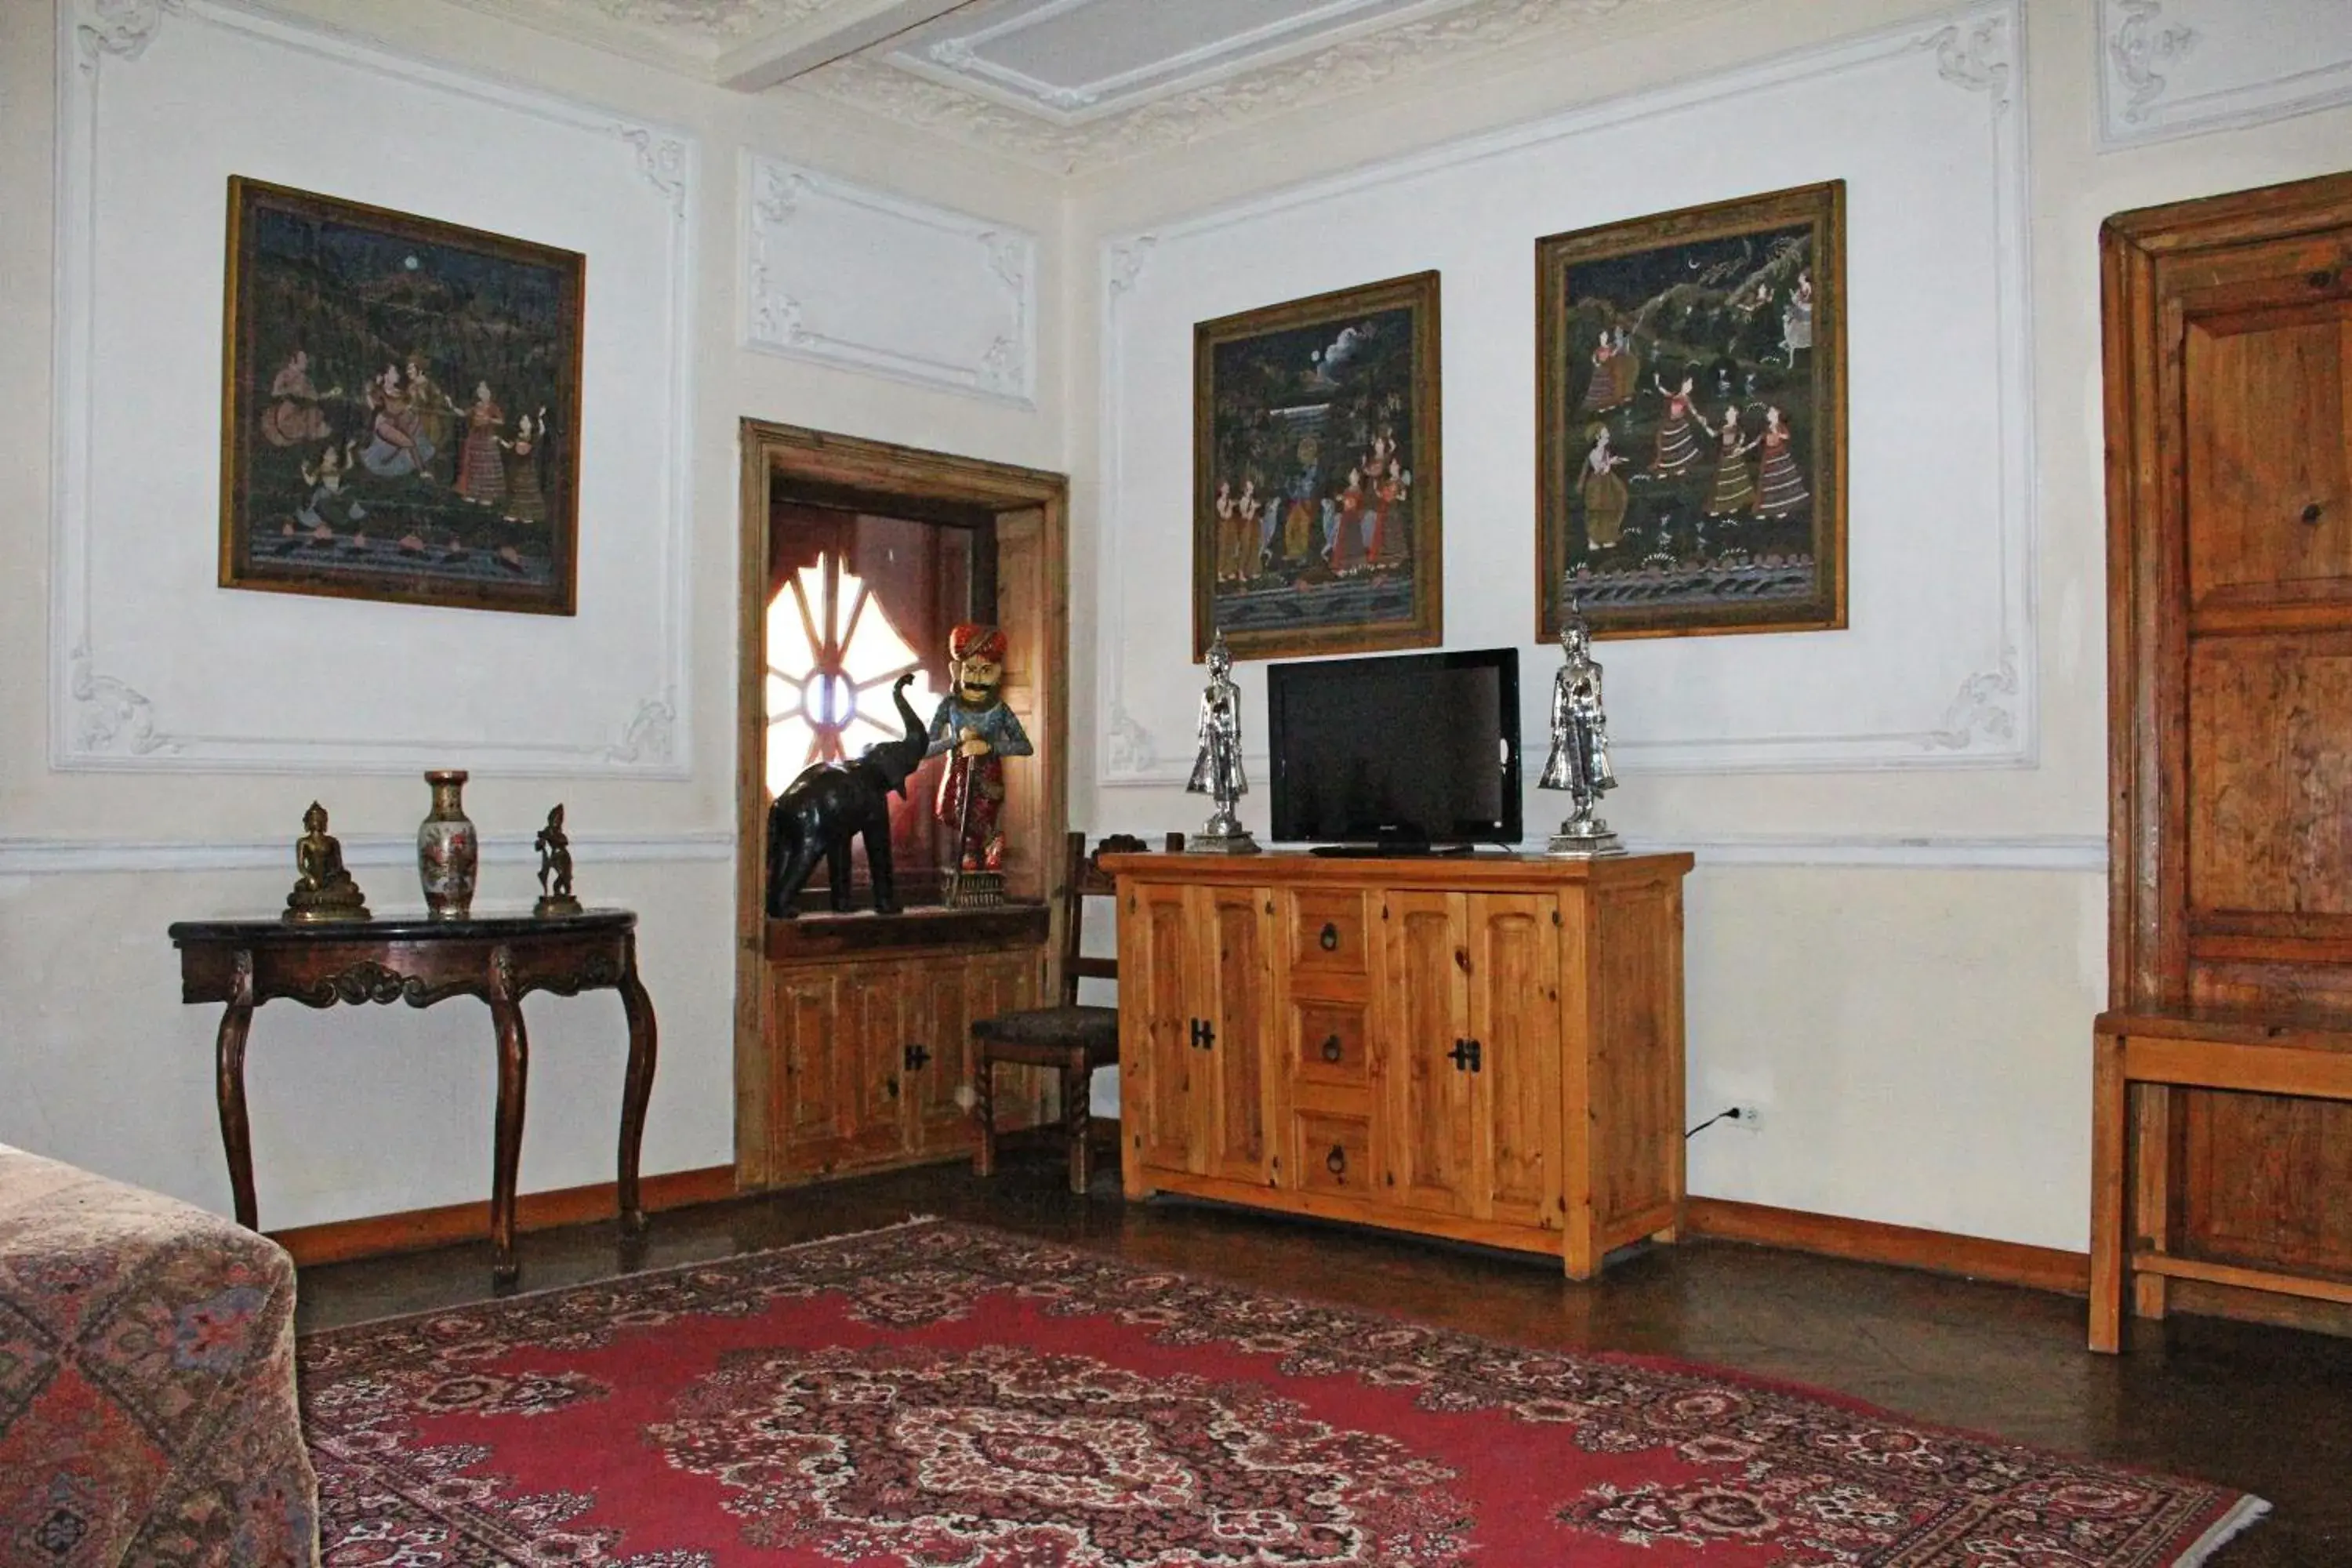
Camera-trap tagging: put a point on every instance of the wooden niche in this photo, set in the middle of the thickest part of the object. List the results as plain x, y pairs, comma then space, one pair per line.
2229, 391
853, 1046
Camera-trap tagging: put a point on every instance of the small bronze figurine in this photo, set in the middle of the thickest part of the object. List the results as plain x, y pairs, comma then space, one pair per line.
322, 889
1579, 763
1217, 769
554, 869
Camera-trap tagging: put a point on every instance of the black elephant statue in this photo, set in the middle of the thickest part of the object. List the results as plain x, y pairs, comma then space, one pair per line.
832, 803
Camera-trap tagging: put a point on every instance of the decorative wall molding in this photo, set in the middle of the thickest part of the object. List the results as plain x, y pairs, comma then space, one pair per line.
34, 856
120, 27
845, 275
1992, 721
1922, 852
107, 713
2175, 68
1975, 57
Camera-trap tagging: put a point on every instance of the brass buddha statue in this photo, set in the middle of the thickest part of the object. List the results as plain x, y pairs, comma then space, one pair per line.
322, 889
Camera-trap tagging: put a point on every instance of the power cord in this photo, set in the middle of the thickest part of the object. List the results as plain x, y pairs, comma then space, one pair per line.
1730, 1115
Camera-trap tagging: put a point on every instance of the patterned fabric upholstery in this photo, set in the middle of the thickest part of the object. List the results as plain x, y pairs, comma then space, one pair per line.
147, 1408
1096, 1028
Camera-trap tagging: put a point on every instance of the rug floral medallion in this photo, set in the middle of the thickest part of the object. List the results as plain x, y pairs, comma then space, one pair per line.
939, 1395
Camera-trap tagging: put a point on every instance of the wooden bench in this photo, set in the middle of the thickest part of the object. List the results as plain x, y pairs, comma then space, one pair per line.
2143, 1056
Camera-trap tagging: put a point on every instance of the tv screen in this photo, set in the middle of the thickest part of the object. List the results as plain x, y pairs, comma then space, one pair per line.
1401, 751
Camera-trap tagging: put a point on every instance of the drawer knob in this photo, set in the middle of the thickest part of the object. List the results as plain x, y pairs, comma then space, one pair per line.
2313, 512
1332, 1050
1330, 937
1337, 1160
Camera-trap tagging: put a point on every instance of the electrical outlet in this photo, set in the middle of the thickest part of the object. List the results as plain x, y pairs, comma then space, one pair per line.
1750, 1116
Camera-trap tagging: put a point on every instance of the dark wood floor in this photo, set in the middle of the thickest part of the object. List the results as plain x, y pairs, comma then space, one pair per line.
2267, 1410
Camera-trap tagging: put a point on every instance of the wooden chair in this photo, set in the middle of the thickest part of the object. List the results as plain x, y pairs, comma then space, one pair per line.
1071, 1039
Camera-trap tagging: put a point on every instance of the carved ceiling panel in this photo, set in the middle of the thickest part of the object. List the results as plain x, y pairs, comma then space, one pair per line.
1066, 83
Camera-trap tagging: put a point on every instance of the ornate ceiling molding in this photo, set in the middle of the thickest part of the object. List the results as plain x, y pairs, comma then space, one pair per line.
1353, 65
684, 35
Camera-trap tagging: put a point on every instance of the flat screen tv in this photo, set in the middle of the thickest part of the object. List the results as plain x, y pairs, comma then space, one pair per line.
1398, 754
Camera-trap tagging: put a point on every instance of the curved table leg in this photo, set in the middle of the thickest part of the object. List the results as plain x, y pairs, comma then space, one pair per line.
643, 1049
228, 1059
514, 1072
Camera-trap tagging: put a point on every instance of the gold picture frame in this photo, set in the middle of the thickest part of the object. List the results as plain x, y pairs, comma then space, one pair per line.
1317, 474
1691, 419
400, 407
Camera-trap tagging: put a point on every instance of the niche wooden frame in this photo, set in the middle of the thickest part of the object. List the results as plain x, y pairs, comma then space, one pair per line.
1031, 510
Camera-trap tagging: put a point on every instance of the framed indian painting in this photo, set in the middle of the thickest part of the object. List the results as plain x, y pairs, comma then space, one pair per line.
1691, 419
401, 408
1316, 474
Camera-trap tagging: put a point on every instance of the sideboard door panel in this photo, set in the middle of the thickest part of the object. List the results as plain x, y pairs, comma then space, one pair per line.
1153, 980
1235, 996
1514, 997
1428, 1130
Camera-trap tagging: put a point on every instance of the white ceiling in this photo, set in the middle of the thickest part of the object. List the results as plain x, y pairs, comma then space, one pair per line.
1067, 83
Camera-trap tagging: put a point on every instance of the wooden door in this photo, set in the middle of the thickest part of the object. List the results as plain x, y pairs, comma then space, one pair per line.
1234, 985
2230, 418
1514, 1018
1166, 1116
1426, 1141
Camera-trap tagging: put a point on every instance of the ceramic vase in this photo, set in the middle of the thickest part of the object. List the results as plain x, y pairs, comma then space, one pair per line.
446, 851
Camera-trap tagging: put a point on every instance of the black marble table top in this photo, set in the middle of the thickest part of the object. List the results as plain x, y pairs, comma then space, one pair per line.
405, 925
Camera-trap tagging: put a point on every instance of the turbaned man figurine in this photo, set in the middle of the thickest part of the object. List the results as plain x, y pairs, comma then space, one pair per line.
978, 731
1579, 763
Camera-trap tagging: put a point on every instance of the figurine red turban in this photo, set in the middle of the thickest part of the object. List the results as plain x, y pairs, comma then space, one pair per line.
972, 640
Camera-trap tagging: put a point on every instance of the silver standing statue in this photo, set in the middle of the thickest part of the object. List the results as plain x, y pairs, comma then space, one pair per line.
1217, 771
1579, 743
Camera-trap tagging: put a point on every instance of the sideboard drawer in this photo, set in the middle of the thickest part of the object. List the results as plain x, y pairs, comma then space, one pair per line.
1328, 1042
1332, 1153
1326, 933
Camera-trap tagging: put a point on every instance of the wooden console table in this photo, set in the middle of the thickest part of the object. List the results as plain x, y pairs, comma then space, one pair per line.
411, 958
1487, 1049
2149, 1054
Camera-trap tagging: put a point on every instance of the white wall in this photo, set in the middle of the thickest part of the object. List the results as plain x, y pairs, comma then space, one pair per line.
254, 703
1896, 936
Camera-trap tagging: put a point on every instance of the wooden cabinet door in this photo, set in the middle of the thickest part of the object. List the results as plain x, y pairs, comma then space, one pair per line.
871, 1029
1166, 1115
837, 1032
1234, 993
1513, 941
2266, 400
807, 1116
1426, 1141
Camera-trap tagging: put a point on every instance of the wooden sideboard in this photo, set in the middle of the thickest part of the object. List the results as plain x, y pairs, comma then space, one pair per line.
1485, 1048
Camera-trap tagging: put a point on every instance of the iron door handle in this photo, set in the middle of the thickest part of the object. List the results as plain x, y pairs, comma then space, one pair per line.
1337, 1160
1332, 1050
1330, 937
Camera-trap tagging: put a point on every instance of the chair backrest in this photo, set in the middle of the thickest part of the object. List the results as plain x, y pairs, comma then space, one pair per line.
1082, 880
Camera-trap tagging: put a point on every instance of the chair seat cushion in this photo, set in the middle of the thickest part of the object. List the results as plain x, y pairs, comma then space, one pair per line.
1058, 1028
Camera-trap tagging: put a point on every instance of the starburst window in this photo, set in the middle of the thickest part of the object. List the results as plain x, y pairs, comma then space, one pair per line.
833, 657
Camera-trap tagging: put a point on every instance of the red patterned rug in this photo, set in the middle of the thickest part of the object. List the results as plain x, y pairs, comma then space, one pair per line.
942, 1396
